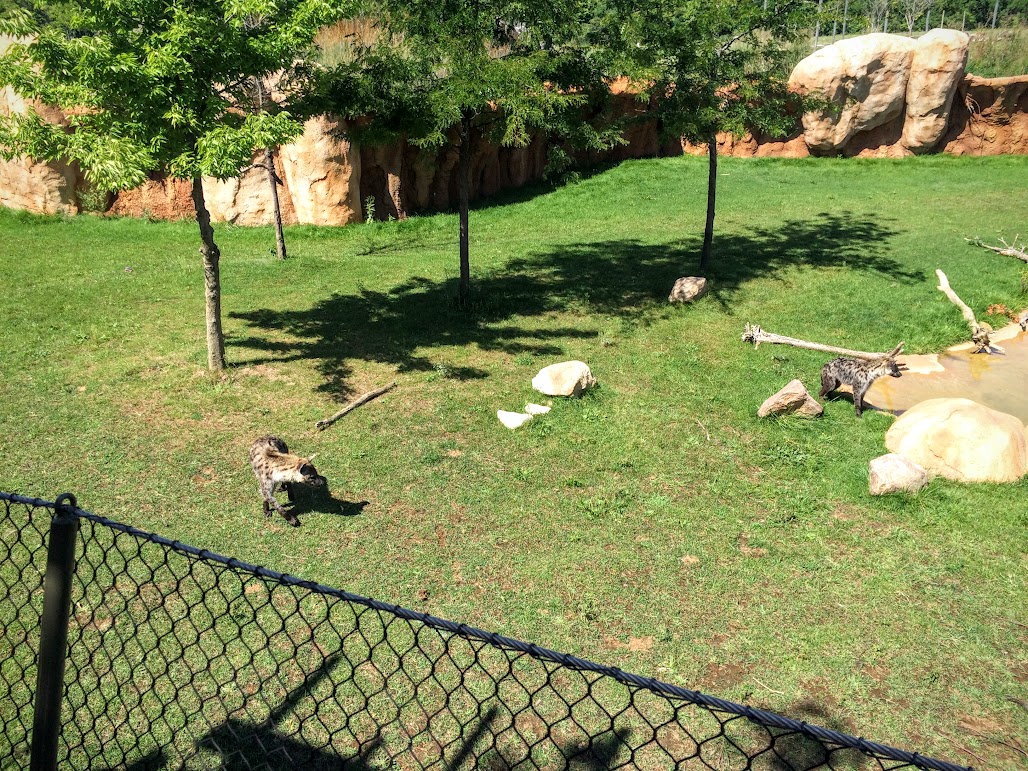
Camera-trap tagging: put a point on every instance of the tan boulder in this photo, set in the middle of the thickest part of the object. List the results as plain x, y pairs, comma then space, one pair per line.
688, 289
322, 174
864, 80
246, 199
936, 70
791, 400
895, 474
568, 378
962, 440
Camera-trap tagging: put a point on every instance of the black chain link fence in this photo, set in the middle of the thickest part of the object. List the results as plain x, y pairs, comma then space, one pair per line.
179, 658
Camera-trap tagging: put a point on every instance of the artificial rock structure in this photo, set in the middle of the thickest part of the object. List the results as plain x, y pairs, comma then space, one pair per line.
884, 96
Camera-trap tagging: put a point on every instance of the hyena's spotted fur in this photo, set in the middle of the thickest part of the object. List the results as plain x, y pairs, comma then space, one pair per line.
859, 374
274, 467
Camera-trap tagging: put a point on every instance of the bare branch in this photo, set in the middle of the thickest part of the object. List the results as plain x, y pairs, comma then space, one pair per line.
979, 332
321, 425
1010, 250
754, 334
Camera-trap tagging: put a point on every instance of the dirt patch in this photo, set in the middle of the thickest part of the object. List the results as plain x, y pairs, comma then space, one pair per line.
718, 677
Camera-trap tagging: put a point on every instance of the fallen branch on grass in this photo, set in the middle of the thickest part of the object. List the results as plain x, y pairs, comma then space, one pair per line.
979, 332
321, 425
754, 334
1010, 250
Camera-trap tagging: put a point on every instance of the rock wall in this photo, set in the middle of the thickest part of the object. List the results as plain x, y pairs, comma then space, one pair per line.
884, 96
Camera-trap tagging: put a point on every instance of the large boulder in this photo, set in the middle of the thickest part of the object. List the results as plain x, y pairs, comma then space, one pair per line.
893, 473
935, 72
864, 82
791, 400
962, 440
568, 378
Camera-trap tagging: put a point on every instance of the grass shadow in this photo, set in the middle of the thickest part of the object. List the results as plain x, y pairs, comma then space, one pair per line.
622, 277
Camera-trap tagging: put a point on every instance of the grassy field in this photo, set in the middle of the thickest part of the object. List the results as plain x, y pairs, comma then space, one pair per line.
655, 524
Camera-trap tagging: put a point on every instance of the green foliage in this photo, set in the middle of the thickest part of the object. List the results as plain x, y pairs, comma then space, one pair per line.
717, 66
156, 86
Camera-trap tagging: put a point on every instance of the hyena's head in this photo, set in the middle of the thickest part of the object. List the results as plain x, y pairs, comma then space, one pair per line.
307, 474
888, 365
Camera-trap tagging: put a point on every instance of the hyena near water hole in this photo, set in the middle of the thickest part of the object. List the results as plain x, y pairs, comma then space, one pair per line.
274, 466
858, 373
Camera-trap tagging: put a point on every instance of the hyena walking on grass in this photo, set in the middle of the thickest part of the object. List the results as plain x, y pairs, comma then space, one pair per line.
858, 373
275, 466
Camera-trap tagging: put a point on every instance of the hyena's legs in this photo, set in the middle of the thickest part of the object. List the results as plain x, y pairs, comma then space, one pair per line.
858, 400
268, 491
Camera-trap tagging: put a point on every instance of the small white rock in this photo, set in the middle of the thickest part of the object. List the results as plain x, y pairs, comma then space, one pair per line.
513, 419
536, 409
688, 288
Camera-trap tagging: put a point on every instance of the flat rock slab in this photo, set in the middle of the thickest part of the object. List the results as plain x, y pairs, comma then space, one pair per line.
513, 419
791, 400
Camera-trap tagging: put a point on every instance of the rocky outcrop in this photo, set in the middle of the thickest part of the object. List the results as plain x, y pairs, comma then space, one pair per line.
568, 378
962, 440
935, 72
791, 400
864, 82
889, 96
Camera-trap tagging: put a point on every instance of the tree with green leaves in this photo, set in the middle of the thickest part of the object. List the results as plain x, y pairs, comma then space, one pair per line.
448, 70
158, 85
716, 66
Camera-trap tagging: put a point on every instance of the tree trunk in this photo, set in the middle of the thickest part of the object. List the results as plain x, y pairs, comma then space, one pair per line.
273, 180
708, 231
212, 280
464, 194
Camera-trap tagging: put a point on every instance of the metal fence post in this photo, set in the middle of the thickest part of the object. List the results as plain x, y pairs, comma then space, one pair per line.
53, 636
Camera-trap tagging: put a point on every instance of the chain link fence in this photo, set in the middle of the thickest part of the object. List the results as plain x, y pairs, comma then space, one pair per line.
178, 658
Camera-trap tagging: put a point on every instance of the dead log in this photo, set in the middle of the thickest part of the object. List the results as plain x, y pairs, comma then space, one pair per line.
1010, 250
754, 334
321, 425
979, 332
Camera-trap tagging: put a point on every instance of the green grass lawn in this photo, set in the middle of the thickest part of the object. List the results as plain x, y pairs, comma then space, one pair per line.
741, 557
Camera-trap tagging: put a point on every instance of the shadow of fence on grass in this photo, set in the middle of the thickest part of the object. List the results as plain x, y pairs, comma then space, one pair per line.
619, 277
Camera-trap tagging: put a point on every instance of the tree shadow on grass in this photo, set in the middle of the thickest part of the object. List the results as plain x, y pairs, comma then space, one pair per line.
621, 277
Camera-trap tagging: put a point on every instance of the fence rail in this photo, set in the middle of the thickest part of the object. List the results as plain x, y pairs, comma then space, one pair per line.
177, 657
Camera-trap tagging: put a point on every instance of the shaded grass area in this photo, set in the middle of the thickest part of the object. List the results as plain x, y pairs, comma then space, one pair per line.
655, 524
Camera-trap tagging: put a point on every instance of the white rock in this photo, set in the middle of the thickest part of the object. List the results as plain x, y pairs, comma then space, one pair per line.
536, 409
688, 288
895, 474
512, 419
568, 378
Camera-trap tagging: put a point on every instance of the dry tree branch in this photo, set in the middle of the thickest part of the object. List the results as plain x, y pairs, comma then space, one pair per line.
754, 334
1010, 250
979, 332
321, 425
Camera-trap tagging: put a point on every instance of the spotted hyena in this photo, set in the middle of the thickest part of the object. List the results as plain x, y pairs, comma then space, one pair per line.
274, 467
858, 373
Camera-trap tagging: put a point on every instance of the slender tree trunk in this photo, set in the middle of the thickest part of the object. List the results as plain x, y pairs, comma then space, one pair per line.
212, 280
708, 231
995, 14
280, 238
845, 16
464, 194
263, 98
817, 25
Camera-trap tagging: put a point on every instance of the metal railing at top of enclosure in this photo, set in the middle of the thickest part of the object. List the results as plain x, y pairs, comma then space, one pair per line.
176, 657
